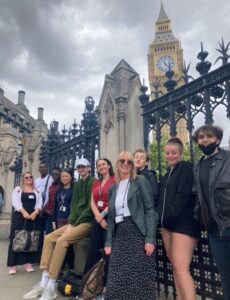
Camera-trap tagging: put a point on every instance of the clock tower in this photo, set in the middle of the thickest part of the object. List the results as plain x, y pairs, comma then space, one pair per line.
165, 52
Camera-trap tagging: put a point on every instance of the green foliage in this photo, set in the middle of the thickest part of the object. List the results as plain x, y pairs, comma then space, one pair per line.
153, 155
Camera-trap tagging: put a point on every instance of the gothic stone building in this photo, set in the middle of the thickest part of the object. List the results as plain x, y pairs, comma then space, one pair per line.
20, 137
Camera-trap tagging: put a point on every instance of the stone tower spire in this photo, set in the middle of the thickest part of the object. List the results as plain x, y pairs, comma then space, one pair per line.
162, 15
165, 51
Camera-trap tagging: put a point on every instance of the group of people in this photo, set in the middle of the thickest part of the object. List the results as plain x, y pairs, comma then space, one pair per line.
120, 212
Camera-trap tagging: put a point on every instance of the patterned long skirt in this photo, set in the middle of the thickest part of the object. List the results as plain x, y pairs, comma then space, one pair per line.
131, 273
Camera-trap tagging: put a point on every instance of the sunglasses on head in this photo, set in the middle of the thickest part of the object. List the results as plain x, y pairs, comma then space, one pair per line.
28, 177
123, 161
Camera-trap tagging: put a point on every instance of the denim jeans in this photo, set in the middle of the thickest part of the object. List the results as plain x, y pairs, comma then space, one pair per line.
220, 246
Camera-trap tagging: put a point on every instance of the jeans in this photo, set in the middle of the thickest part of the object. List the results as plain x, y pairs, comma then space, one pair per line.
220, 247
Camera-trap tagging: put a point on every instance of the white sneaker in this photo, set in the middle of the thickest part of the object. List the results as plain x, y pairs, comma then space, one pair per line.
48, 294
36, 291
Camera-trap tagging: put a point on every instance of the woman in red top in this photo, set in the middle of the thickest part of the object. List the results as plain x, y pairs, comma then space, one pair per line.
99, 206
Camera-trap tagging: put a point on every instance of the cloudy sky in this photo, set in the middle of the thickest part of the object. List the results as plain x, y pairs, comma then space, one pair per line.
58, 51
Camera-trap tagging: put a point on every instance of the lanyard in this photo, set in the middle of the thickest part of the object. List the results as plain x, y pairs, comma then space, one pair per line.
126, 190
100, 191
62, 197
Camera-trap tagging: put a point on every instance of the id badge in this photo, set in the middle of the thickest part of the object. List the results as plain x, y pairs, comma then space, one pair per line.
100, 203
119, 219
31, 196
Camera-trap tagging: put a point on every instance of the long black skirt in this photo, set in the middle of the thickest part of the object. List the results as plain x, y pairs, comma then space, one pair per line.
131, 273
21, 258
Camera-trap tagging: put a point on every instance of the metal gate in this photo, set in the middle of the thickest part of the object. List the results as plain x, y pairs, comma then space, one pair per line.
62, 148
200, 96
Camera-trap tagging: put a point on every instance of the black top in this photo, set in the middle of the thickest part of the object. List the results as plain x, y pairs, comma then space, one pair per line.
28, 201
62, 203
205, 166
152, 179
176, 201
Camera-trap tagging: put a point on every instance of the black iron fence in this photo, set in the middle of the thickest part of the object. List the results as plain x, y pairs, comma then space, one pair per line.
62, 148
199, 96
17, 169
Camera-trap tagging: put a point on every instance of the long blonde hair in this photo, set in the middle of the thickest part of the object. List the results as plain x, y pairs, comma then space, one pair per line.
129, 156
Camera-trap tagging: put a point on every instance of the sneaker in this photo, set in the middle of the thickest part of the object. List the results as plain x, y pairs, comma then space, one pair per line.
36, 291
48, 294
12, 270
28, 267
100, 297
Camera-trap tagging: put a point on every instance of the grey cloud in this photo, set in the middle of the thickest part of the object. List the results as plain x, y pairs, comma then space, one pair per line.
60, 50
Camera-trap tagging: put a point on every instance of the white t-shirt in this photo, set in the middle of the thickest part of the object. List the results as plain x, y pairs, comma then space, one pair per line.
40, 184
121, 199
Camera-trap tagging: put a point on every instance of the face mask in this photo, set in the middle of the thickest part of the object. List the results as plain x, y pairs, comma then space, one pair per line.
209, 149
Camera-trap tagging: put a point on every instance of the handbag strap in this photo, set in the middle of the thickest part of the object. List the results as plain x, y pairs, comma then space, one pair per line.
44, 192
25, 223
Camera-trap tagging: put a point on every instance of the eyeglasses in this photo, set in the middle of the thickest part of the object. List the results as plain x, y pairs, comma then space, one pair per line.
123, 161
28, 177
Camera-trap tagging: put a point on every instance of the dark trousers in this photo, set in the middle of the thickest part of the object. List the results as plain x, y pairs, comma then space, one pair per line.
97, 242
220, 246
48, 219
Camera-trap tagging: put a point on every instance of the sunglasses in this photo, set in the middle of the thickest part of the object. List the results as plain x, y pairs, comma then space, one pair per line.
28, 177
123, 161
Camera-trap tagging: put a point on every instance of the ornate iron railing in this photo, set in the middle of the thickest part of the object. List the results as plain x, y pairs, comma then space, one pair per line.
200, 96
81, 140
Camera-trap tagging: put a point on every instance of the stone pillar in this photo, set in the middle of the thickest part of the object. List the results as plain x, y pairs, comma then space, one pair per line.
30, 159
40, 113
121, 117
7, 188
21, 97
119, 111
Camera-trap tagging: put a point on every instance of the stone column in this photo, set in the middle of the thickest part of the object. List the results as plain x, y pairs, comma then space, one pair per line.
121, 104
40, 113
30, 159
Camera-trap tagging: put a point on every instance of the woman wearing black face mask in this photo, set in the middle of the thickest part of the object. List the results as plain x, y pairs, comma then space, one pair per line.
212, 184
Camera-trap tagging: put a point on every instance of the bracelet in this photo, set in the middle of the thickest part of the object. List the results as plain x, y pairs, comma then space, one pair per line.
104, 213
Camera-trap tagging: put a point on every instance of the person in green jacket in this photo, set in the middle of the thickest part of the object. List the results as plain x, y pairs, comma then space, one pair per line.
131, 235
56, 243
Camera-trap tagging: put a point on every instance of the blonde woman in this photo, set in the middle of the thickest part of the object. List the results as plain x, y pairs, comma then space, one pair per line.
27, 202
131, 235
179, 229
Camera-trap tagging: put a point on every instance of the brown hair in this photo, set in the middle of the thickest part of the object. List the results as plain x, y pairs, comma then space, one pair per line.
133, 174
111, 172
142, 151
208, 129
176, 142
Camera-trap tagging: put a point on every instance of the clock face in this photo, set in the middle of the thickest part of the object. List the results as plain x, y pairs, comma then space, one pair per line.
165, 62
